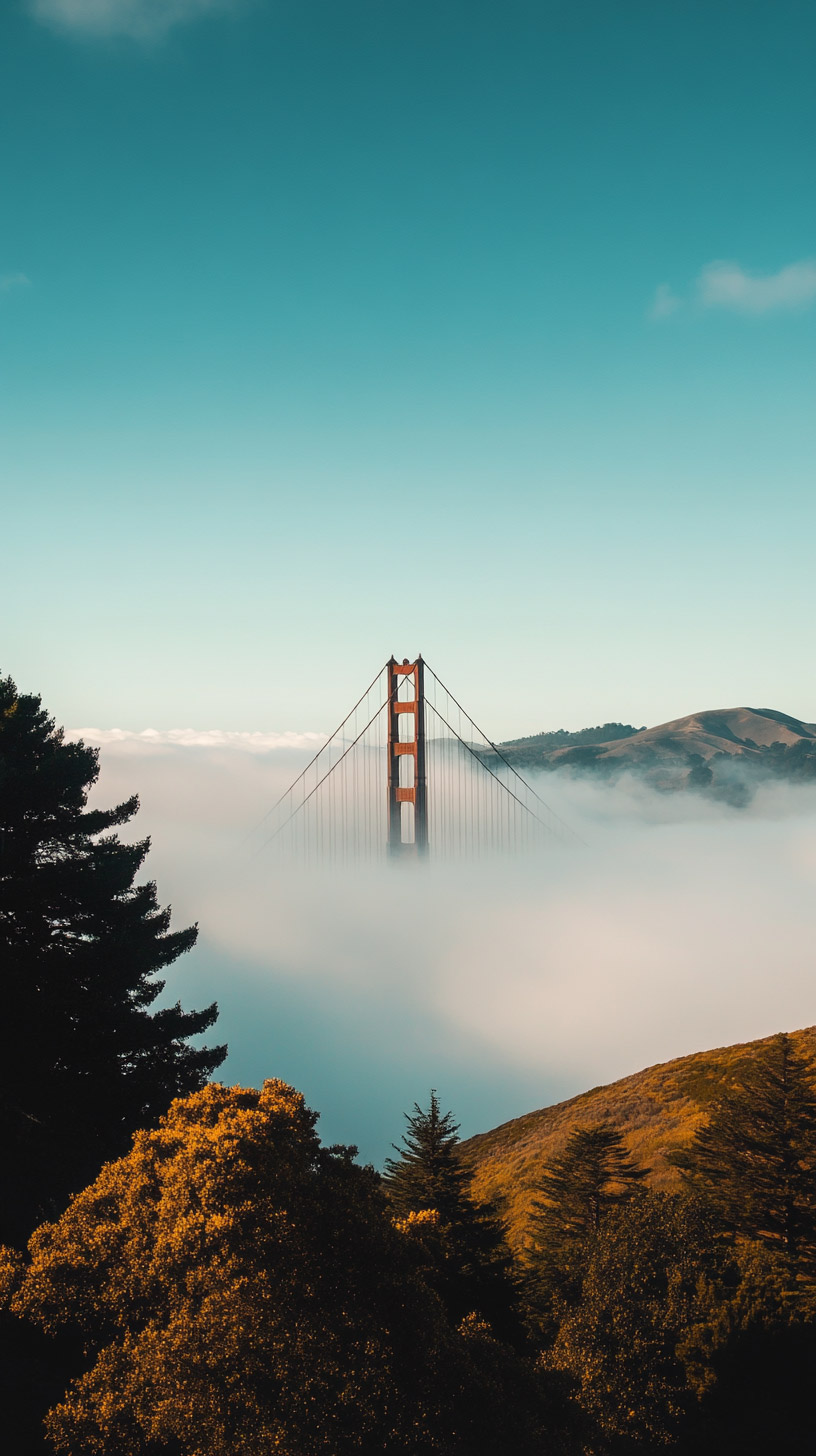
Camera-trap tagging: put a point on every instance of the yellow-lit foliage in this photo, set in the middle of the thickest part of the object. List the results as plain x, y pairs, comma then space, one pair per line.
657, 1110
239, 1289
425, 1218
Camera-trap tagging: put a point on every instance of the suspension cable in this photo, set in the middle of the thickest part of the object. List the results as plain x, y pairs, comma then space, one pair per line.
499, 754
489, 770
382, 706
320, 750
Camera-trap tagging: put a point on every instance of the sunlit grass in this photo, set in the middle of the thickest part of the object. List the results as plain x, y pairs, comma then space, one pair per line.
657, 1110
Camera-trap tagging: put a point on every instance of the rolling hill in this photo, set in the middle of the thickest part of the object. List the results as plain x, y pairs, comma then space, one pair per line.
722, 750
657, 1110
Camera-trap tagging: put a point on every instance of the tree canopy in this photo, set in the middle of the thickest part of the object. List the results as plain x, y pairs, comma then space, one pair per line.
240, 1288
648, 1281
755, 1158
82, 945
469, 1261
427, 1171
592, 1175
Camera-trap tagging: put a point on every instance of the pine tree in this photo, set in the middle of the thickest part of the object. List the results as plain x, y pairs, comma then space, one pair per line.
465, 1239
428, 1172
755, 1160
592, 1175
85, 1061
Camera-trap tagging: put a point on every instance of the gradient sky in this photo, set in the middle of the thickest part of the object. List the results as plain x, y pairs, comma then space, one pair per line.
332, 328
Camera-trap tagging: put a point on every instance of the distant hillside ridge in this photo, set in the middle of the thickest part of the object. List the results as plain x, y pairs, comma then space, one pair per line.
563, 738
657, 1110
722, 751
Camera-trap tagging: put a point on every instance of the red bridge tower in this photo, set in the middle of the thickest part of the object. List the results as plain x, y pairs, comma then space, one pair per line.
406, 757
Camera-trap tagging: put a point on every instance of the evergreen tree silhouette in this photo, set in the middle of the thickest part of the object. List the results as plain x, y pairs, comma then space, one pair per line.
85, 1061
428, 1172
755, 1160
470, 1263
592, 1175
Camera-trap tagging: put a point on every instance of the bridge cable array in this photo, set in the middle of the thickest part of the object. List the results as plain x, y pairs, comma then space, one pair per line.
356, 799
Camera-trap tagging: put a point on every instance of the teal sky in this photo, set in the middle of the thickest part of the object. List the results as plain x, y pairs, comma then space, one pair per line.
332, 328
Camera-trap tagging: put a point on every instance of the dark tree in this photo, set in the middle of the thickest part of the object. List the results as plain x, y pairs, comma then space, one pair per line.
85, 1061
699, 775
428, 1171
592, 1175
652, 1275
755, 1160
470, 1263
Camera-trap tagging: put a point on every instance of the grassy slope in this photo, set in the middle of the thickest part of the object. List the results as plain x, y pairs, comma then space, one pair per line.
656, 1110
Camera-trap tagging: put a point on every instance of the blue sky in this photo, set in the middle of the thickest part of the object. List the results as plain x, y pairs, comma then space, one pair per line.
338, 328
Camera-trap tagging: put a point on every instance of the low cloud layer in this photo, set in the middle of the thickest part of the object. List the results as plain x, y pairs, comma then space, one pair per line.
729, 286
197, 738
137, 19
679, 925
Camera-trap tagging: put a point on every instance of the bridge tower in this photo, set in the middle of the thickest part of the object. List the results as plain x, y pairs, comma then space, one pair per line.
408, 740
407, 783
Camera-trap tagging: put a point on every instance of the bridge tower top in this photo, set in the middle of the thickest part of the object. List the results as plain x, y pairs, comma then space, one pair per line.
407, 780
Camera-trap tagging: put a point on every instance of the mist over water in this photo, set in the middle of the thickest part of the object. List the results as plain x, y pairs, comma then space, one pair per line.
678, 924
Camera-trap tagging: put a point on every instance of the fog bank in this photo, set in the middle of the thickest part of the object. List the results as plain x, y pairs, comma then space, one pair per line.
678, 925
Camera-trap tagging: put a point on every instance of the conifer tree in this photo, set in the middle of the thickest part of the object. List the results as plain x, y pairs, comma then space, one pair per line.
466, 1239
592, 1175
85, 1061
755, 1160
428, 1172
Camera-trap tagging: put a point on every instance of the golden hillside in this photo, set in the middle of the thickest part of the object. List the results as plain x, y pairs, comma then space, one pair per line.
656, 1110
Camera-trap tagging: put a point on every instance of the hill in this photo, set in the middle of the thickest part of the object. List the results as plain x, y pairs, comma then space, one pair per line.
724, 751
604, 733
657, 1109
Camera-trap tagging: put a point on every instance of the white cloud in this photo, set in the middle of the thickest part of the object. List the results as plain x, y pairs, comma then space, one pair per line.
9, 281
130, 738
727, 285
665, 302
142, 19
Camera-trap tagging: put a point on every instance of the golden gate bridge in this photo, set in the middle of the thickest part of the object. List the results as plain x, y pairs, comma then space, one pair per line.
408, 774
